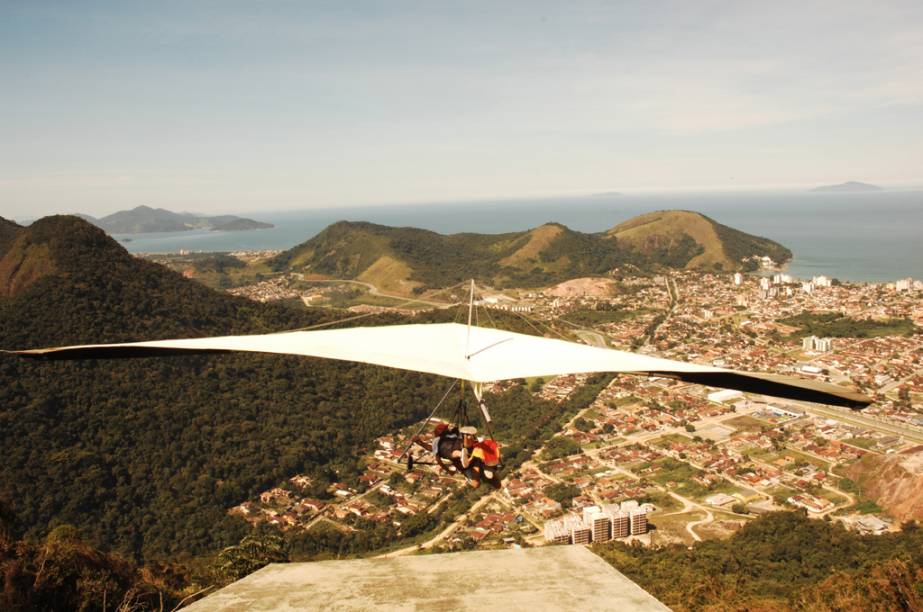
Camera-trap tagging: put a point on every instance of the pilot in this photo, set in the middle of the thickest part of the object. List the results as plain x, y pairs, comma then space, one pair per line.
470, 456
445, 447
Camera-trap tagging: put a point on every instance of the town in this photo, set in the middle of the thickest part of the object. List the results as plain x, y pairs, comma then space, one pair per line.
656, 460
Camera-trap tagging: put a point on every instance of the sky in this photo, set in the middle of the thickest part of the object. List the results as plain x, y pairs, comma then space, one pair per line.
241, 106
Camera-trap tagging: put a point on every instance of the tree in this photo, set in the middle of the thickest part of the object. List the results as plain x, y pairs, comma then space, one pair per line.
254, 551
583, 424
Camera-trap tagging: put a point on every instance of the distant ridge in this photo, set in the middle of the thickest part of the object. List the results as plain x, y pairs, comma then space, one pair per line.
406, 259
144, 219
849, 186
8, 232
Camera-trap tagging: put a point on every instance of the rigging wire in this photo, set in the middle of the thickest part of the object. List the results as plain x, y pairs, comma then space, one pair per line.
428, 419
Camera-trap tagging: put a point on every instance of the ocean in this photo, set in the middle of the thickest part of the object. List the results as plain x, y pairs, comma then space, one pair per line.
873, 237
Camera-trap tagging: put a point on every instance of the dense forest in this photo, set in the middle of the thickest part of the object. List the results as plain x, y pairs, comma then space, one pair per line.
782, 561
141, 458
145, 456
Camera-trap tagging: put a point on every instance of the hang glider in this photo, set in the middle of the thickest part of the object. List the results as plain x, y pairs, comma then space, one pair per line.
471, 353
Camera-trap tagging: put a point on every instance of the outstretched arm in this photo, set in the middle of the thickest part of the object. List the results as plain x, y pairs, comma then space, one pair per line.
419, 442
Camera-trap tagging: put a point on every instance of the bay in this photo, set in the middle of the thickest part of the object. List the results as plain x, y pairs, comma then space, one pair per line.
870, 237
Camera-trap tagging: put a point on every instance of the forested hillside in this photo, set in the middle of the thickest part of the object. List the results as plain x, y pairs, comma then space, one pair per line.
8, 231
408, 259
782, 561
146, 455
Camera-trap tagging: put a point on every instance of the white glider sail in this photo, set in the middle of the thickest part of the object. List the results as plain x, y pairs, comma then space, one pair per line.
475, 354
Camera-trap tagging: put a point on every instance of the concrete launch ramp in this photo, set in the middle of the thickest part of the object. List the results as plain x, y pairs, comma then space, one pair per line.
527, 580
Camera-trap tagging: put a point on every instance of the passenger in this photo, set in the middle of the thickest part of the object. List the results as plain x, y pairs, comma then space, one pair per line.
445, 447
488, 452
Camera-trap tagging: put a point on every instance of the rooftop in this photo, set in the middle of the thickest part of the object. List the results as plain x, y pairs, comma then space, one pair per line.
547, 578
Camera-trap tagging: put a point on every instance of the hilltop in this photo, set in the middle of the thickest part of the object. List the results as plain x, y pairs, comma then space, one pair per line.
406, 259
849, 186
144, 219
671, 234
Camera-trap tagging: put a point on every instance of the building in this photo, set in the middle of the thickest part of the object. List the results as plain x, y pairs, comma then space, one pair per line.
822, 281
629, 505
738, 278
599, 522
581, 533
765, 283
813, 343
871, 525
720, 499
781, 279
638, 520
725, 395
556, 533
810, 503
621, 525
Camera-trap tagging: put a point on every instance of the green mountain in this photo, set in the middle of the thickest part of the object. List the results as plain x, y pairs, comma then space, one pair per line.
407, 259
145, 456
143, 219
668, 235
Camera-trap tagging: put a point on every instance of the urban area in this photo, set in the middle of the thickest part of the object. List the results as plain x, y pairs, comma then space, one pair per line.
653, 460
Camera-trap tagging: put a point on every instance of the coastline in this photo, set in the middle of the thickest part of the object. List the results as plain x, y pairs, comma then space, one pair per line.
862, 238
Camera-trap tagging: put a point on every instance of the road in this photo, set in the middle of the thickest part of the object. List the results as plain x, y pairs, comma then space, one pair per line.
688, 506
376, 291
673, 292
860, 420
445, 533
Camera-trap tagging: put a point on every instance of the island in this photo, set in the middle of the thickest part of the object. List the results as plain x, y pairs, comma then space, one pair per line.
849, 186
144, 219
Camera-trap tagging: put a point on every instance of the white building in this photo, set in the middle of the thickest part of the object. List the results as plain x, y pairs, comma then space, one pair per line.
781, 279
822, 281
813, 343
738, 278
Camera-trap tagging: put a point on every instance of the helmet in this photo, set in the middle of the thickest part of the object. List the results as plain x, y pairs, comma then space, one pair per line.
468, 430
440, 427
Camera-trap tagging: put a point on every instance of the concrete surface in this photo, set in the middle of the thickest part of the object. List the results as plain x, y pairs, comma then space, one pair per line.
533, 579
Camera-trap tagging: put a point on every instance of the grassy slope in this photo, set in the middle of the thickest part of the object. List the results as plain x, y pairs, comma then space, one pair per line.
661, 228
407, 259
